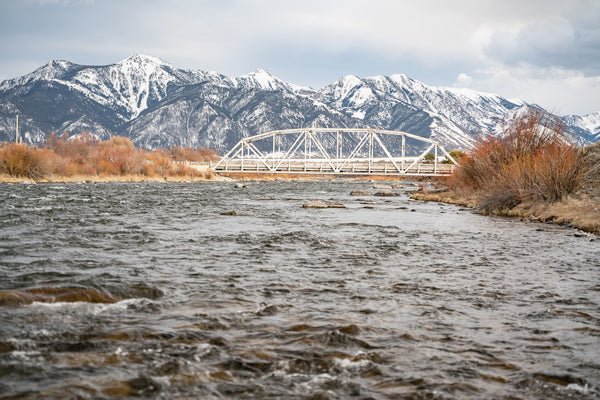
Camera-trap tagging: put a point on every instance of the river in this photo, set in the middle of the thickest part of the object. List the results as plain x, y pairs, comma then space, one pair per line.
208, 291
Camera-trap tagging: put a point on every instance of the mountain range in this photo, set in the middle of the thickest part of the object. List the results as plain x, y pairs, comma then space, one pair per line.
157, 105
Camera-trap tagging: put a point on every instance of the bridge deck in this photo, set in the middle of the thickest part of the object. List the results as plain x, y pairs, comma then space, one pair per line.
325, 168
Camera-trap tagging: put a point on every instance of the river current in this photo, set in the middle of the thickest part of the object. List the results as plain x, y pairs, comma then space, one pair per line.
208, 291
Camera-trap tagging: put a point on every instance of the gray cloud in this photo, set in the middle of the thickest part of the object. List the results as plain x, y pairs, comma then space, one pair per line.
312, 42
558, 42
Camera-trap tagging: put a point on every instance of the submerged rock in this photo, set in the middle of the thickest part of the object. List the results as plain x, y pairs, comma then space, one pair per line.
143, 385
385, 193
315, 204
54, 295
335, 204
234, 213
322, 204
381, 186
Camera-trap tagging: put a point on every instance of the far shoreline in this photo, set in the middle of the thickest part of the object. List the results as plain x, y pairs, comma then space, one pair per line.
110, 178
214, 177
579, 211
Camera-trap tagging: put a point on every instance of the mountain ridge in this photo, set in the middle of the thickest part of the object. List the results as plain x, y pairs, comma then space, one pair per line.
159, 105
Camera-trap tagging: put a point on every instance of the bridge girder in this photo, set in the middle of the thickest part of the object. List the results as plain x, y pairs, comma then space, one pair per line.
245, 156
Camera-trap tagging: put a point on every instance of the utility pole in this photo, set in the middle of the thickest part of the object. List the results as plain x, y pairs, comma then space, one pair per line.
17, 130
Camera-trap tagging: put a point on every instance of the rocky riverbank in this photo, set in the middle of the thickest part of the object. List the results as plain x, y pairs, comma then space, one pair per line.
579, 211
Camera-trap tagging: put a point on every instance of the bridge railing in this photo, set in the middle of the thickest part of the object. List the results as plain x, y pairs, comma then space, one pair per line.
360, 157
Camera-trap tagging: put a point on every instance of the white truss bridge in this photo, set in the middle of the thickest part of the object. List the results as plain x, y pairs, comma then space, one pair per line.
337, 151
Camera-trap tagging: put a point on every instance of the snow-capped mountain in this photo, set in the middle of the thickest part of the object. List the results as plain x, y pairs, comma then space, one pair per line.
158, 105
216, 115
587, 125
453, 115
131, 85
262, 79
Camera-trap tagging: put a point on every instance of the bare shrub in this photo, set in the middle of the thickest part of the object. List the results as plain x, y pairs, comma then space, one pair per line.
118, 142
20, 160
84, 155
559, 171
71, 147
178, 153
163, 167
530, 162
120, 160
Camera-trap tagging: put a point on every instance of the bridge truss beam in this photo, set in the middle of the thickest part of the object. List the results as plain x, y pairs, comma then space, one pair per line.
246, 156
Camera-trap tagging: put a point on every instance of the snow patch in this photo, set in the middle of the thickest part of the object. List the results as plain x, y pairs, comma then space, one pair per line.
359, 114
589, 122
262, 79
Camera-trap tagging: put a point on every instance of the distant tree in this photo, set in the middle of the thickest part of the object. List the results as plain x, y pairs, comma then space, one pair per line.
456, 154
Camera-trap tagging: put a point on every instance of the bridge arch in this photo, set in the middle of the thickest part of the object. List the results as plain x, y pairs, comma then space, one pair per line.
337, 151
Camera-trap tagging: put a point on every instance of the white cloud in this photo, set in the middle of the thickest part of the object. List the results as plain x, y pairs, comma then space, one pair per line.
463, 80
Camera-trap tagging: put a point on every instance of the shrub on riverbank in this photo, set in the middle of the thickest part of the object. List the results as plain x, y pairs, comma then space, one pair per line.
84, 155
531, 162
22, 161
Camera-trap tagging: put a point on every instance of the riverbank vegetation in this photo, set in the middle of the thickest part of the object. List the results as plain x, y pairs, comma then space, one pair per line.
64, 158
530, 171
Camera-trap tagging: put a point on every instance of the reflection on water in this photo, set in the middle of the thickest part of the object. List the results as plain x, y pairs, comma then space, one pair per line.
113, 290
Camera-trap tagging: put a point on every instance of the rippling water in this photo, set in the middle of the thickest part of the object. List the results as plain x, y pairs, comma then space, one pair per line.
148, 290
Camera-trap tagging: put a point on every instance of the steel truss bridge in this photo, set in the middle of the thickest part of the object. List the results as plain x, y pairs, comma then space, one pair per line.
336, 151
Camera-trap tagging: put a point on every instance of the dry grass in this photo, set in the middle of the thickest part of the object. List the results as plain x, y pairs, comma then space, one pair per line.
591, 186
445, 196
580, 212
113, 178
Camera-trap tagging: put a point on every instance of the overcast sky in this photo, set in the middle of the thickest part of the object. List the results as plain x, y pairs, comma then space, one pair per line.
541, 51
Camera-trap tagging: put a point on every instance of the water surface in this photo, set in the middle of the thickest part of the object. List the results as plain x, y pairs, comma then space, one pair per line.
148, 290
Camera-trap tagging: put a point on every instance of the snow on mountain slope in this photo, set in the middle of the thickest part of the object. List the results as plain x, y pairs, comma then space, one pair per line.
261, 79
54, 70
128, 86
456, 115
132, 84
158, 105
590, 124
213, 115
